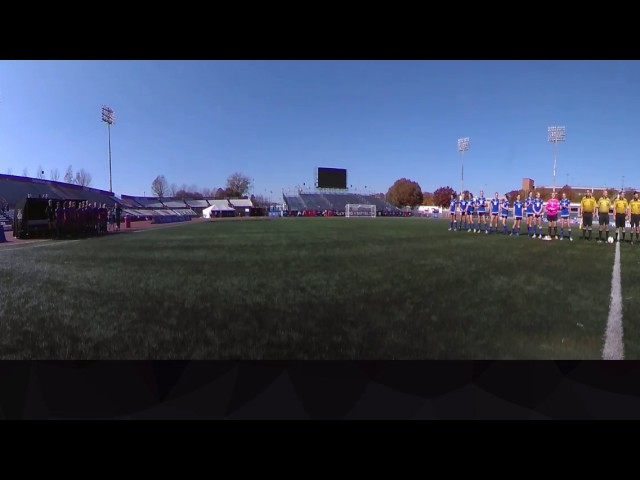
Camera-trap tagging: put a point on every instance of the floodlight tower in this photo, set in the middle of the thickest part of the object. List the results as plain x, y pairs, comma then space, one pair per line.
108, 118
463, 146
556, 134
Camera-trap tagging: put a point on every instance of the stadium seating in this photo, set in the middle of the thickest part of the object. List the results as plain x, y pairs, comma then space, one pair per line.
333, 201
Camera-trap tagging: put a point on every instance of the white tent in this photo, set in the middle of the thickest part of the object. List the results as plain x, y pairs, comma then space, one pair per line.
210, 212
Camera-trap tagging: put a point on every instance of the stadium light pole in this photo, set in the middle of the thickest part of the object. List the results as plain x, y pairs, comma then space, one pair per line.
556, 134
107, 117
463, 146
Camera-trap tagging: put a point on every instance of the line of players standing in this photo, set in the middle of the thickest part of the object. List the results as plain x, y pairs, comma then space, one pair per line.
462, 214
490, 211
82, 218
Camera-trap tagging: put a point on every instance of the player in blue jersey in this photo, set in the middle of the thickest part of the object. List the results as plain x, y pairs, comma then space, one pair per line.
470, 210
504, 213
518, 208
528, 204
537, 216
463, 212
453, 206
481, 204
565, 206
495, 210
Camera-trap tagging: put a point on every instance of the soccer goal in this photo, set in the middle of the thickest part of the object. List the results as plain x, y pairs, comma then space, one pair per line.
357, 210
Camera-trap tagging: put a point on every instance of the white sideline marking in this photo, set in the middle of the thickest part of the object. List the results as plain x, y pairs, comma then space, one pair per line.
613, 346
36, 244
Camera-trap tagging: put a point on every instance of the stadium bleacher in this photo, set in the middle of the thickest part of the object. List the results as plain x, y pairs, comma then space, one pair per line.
334, 201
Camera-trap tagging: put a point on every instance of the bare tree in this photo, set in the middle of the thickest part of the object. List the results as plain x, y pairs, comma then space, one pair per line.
173, 188
54, 175
83, 178
25, 172
159, 186
9, 171
68, 176
40, 174
238, 184
206, 192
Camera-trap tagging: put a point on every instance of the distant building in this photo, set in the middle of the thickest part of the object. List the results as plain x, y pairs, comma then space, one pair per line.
527, 184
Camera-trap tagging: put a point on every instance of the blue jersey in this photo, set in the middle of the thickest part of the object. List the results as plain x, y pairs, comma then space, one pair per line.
481, 202
537, 206
452, 205
470, 205
505, 208
495, 204
517, 209
564, 207
529, 204
463, 205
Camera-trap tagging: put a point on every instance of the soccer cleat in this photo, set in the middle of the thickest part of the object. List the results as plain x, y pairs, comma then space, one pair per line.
540, 236
449, 230
561, 238
511, 234
556, 237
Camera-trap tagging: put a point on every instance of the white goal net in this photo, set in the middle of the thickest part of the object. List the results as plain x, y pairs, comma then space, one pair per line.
357, 210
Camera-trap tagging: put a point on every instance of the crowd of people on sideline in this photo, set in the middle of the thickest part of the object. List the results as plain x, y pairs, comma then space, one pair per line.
480, 214
82, 218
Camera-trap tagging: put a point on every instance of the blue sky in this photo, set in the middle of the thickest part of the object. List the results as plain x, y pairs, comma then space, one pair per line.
196, 122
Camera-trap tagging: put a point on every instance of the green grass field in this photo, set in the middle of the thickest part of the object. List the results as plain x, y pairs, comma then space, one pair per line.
312, 288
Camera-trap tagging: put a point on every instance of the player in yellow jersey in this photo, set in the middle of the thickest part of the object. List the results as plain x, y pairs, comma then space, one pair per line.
602, 207
587, 206
634, 207
621, 210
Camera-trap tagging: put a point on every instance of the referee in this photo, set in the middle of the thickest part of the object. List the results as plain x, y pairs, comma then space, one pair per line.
621, 209
603, 207
587, 205
634, 206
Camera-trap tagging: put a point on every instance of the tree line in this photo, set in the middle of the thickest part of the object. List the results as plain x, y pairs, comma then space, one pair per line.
81, 177
237, 187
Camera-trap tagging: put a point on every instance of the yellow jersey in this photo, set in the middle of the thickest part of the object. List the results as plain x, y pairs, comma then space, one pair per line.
588, 204
604, 205
634, 205
620, 205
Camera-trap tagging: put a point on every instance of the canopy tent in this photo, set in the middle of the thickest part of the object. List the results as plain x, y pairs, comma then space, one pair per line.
211, 211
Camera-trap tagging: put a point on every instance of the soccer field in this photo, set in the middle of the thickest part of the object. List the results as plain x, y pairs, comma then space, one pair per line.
313, 288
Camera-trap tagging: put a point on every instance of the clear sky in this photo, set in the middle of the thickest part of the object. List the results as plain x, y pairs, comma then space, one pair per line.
196, 122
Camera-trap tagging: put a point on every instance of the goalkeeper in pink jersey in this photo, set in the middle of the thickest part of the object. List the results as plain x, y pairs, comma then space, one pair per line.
552, 207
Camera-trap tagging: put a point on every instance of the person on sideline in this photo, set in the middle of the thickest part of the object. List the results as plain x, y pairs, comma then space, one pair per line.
528, 203
621, 209
481, 203
565, 212
537, 216
453, 206
602, 210
495, 207
587, 206
634, 208
552, 207
518, 208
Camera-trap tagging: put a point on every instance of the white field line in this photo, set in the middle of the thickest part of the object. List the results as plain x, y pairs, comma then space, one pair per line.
613, 346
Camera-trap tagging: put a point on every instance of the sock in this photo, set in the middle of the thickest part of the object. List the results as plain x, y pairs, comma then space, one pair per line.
623, 235
569, 233
450, 224
599, 234
590, 234
562, 232
584, 233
